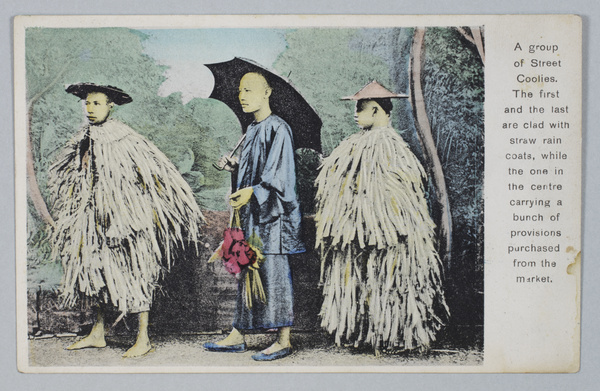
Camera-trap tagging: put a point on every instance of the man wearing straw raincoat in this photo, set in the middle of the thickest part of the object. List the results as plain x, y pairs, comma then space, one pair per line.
123, 214
381, 274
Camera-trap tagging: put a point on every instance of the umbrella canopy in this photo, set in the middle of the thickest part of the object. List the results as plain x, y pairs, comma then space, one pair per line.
285, 100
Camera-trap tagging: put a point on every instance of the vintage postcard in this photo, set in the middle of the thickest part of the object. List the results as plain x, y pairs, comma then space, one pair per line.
298, 193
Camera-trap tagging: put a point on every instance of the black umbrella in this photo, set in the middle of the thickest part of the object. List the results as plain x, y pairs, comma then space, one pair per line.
285, 100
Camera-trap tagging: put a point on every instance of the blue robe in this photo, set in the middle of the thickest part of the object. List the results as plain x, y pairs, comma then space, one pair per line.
273, 213
267, 165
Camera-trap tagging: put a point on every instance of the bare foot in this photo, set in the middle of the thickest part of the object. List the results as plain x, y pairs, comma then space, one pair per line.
139, 349
91, 341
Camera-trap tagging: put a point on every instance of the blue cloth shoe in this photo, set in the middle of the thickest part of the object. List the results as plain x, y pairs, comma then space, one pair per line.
272, 356
213, 347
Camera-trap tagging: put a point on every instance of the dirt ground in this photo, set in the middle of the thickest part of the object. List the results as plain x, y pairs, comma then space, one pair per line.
184, 353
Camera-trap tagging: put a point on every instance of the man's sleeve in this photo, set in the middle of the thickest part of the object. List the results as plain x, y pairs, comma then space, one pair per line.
278, 179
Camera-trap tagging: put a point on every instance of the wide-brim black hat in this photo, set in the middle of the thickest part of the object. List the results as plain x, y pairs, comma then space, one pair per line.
116, 95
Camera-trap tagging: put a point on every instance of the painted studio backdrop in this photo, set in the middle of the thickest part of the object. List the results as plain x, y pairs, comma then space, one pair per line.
440, 69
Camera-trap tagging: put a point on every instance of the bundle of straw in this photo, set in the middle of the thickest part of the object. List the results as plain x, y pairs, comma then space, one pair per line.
379, 266
122, 213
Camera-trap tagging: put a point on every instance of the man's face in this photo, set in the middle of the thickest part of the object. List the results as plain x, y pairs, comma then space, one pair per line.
254, 92
98, 107
364, 114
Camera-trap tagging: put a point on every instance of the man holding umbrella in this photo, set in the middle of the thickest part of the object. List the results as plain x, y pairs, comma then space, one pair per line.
269, 208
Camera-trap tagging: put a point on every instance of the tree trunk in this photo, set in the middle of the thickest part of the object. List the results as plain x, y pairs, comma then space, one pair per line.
33, 189
441, 205
32, 185
476, 38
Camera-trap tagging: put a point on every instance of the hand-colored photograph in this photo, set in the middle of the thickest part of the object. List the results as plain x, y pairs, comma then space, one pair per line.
254, 198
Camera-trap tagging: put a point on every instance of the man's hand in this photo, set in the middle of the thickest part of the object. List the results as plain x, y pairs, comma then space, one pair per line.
241, 197
228, 163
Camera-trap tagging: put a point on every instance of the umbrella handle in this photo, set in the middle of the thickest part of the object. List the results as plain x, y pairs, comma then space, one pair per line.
239, 143
215, 165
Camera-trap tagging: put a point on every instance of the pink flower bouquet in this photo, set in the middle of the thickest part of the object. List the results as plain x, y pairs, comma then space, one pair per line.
242, 258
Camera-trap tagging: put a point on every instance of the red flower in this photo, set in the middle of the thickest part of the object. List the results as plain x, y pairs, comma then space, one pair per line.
235, 251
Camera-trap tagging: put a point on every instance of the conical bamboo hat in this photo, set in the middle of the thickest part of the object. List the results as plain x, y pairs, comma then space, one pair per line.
374, 90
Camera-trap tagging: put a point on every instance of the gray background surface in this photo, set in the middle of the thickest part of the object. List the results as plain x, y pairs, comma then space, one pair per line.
587, 379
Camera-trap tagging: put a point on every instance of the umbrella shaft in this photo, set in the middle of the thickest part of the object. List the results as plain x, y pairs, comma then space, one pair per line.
238, 145
221, 168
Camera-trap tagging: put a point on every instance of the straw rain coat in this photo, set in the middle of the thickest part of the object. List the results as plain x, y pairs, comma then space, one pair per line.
122, 213
380, 269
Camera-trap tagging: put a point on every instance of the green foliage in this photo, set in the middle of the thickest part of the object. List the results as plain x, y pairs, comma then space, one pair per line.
393, 46
454, 97
324, 68
307, 169
323, 64
449, 50
326, 64
222, 131
111, 56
